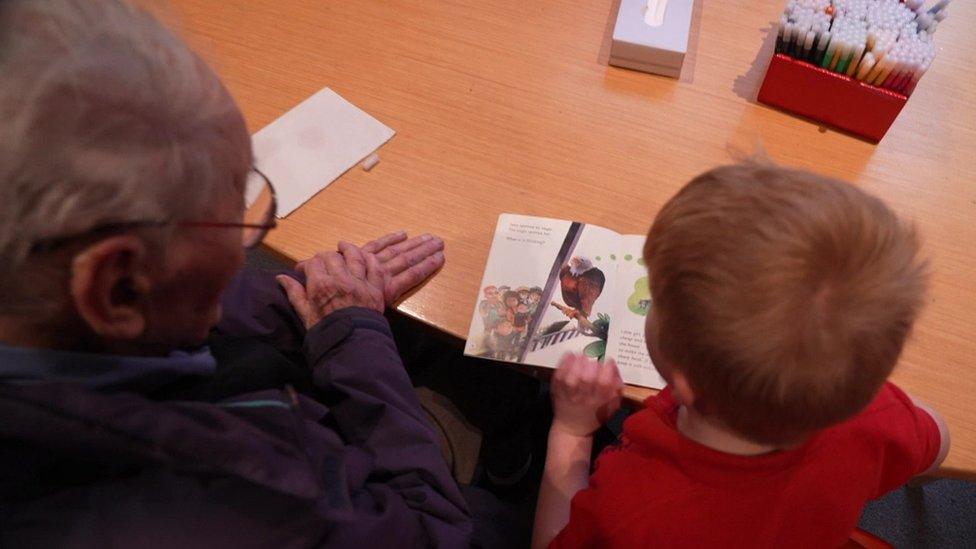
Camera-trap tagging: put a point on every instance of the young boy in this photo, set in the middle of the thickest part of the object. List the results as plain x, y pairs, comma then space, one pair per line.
535, 296
491, 309
501, 342
781, 302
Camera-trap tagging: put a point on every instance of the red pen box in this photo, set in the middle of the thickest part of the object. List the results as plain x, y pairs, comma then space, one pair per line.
829, 97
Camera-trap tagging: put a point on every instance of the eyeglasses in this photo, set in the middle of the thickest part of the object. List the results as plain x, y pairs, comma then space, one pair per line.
260, 209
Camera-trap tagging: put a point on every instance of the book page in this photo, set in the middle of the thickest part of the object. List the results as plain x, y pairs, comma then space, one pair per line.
632, 302
547, 291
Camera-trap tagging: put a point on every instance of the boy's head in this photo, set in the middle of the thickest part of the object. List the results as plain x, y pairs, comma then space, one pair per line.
511, 298
535, 294
491, 293
782, 299
504, 328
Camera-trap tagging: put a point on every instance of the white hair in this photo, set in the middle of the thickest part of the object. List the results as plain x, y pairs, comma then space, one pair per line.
579, 265
108, 117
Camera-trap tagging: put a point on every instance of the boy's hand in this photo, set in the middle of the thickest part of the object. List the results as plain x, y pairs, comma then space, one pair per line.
585, 394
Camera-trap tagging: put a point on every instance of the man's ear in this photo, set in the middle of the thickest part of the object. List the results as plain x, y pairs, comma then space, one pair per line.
681, 388
109, 287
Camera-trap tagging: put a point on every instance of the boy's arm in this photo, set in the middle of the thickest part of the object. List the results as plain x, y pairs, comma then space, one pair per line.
909, 439
945, 439
584, 395
567, 472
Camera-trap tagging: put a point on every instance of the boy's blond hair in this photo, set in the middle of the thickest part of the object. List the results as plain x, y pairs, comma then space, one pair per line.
783, 296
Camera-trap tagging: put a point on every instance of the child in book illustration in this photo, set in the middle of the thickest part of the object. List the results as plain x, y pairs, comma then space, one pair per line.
512, 304
502, 340
491, 309
523, 294
781, 303
521, 318
511, 301
535, 296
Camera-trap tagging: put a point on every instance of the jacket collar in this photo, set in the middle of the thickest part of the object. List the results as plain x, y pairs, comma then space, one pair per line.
24, 366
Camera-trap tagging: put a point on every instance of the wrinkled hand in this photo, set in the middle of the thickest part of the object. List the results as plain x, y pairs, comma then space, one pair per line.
406, 262
333, 281
585, 394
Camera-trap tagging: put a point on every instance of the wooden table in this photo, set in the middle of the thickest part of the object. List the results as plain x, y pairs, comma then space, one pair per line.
509, 106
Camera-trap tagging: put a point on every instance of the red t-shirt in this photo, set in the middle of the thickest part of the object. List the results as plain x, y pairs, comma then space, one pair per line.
660, 488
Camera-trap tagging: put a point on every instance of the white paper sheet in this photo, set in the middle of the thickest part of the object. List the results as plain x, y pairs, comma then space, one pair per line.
311, 145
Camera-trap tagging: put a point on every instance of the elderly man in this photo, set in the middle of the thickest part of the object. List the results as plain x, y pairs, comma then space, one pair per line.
124, 167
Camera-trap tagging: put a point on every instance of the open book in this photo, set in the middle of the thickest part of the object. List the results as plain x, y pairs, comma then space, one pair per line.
553, 287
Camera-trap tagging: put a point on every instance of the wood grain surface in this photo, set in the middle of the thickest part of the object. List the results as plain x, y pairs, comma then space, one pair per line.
509, 106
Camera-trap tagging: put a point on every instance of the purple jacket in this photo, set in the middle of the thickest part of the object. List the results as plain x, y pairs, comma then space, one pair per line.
126, 463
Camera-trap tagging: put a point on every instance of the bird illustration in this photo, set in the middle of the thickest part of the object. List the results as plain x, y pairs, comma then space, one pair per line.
581, 285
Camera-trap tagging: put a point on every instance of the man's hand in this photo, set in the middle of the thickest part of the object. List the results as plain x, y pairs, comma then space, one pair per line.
333, 281
406, 262
585, 394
